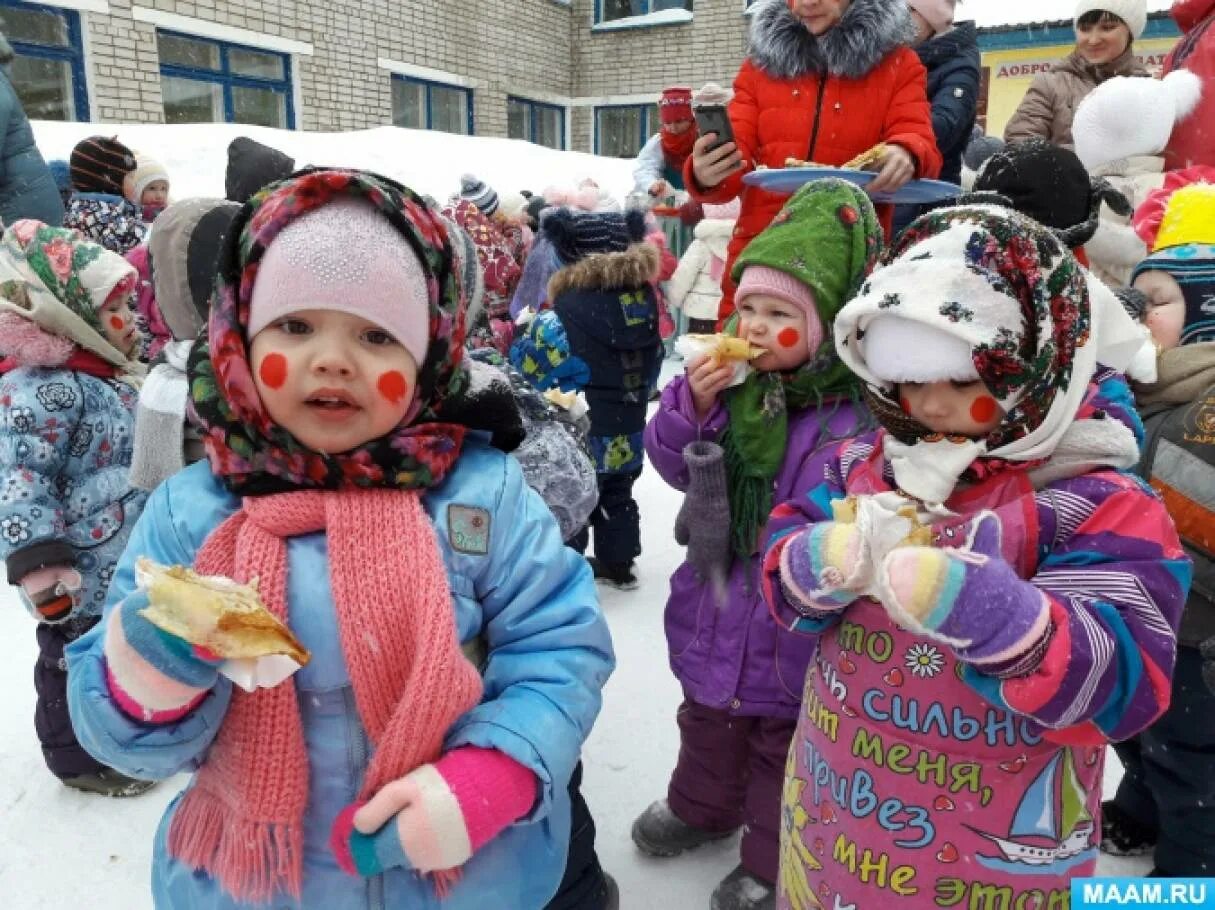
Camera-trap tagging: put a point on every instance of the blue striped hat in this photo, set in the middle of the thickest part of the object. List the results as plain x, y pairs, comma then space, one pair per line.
1192, 266
576, 235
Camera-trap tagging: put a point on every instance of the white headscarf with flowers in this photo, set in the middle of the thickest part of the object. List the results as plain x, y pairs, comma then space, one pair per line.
1010, 306
52, 278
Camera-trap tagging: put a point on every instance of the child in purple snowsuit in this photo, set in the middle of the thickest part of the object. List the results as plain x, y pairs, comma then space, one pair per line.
736, 450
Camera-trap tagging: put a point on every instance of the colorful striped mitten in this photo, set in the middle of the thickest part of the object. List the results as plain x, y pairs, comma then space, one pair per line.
970, 599
823, 568
154, 676
436, 816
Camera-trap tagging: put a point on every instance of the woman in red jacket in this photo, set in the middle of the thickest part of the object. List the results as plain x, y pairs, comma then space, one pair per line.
825, 81
1193, 139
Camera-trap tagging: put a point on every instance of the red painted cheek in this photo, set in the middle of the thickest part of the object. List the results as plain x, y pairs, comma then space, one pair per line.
273, 370
117, 324
983, 409
392, 385
905, 404
787, 338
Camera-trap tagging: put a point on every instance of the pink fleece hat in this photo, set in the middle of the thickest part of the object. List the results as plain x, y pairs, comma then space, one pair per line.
345, 256
937, 13
762, 279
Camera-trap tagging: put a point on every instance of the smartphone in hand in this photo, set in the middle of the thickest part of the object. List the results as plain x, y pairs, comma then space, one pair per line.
712, 118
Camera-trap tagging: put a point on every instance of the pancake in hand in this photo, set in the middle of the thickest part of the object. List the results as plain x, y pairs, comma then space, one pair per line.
726, 347
216, 613
867, 159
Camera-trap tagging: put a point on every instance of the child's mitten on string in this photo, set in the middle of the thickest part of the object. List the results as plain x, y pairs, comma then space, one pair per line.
824, 568
703, 522
154, 676
1207, 649
970, 599
435, 817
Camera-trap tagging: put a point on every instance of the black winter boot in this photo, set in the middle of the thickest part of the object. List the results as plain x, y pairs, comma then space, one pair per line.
660, 832
108, 782
617, 574
1122, 835
740, 890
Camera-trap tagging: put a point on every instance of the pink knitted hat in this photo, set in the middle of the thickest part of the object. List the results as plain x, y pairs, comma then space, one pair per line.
344, 256
762, 279
937, 13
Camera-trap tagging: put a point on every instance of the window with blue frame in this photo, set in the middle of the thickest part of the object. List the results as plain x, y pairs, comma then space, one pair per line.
419, 104
48, 69
621, 130
611, 10
209, 81
543, 124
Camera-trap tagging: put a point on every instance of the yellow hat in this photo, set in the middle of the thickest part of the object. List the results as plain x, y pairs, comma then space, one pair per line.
1188, 218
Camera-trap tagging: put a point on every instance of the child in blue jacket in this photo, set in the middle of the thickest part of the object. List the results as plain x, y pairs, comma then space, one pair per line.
350, 472
68, 383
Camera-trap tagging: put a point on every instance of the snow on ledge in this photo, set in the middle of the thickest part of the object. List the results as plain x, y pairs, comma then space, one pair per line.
196, 157
661, 17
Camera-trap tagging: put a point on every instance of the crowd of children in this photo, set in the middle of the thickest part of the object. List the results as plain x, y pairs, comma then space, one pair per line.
940, 551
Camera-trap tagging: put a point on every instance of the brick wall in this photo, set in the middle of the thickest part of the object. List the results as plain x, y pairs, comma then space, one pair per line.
635, 61
540, 49
123, 68
508, 46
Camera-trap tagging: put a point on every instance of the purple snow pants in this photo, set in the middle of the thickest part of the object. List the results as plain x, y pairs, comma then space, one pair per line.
730, 772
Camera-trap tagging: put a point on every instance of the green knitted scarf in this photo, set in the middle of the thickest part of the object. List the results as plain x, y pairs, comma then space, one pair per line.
757, 434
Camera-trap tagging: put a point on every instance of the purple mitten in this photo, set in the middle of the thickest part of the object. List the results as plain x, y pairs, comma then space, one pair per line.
703, 523
970, 599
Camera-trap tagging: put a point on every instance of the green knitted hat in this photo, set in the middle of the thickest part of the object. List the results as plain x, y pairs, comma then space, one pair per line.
827, 237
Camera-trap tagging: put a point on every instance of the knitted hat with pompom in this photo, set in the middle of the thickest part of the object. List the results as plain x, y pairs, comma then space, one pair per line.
479, 194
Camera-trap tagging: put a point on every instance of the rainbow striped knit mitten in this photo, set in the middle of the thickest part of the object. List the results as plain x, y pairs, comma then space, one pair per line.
971, 599
823, 568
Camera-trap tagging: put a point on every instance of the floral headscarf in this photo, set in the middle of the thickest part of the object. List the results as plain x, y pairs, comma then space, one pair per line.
252, 453
83, 276
1007, 287
52, 284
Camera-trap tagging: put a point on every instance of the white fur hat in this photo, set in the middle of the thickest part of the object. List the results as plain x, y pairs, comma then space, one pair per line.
147, 170
903, 350
511, 204
1132, 12
1130, 115
899, 350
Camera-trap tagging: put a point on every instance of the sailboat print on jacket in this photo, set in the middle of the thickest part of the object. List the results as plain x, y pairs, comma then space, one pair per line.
1052, 825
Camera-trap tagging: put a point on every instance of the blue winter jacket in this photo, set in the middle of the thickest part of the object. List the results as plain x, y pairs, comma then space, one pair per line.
27, 189
609, 310
953, 64
65, 495
954, 67
530, 601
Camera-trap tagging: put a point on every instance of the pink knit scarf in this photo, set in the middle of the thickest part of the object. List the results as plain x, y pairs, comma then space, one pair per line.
242, 820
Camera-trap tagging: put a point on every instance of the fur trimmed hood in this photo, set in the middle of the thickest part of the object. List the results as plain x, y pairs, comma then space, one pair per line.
869, 30
634, 268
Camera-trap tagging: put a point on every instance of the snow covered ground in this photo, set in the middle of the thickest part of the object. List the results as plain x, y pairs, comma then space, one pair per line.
63, 849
